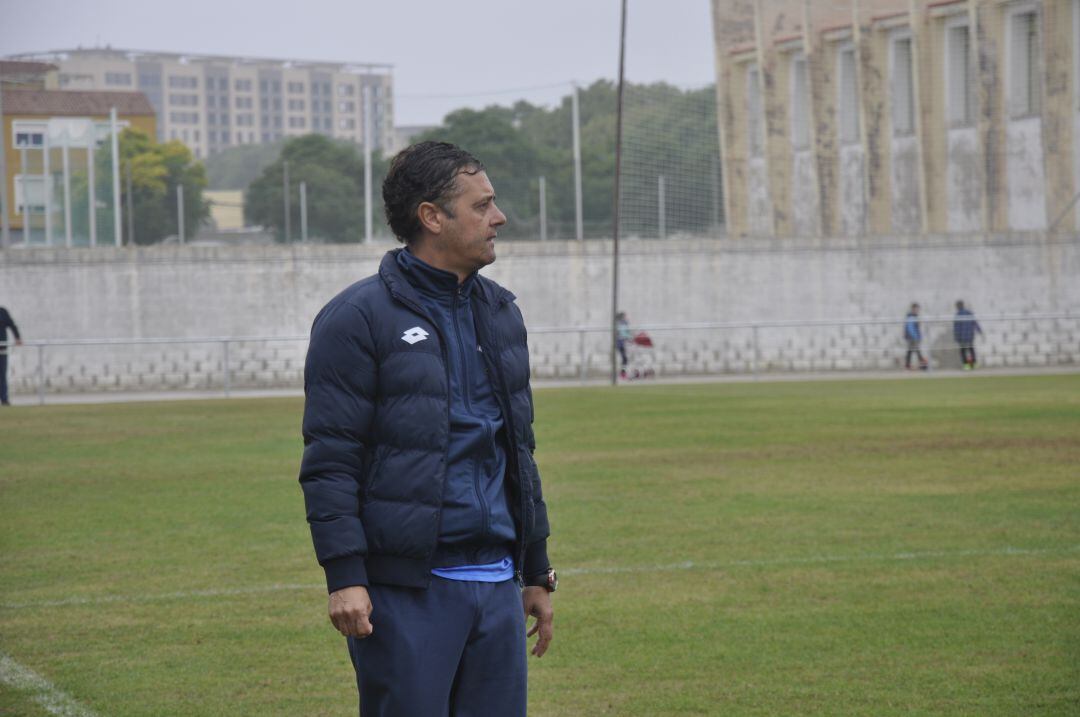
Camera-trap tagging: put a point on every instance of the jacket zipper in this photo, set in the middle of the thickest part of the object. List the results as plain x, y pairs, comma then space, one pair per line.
505, 406
484, 517
512, 435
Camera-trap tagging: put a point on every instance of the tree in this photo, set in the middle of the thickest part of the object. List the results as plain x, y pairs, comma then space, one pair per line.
333, 172
237, 167
156, 171
667, 132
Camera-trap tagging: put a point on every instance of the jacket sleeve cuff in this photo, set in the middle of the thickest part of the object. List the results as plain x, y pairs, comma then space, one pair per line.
345, 572
536, 559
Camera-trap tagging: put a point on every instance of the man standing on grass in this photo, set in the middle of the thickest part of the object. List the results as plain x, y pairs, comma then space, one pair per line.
6, 323
422, 495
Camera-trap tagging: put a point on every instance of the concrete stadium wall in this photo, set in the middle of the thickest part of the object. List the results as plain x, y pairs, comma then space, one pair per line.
200, 292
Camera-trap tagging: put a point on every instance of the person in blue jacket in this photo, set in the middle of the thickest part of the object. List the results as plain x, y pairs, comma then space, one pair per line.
422, 495
6, 324
913, 336
964, 329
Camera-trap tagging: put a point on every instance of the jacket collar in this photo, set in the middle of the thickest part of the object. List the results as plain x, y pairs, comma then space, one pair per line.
431, 281
399, 286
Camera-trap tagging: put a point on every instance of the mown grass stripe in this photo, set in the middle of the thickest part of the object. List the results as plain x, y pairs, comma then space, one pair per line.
1007, 551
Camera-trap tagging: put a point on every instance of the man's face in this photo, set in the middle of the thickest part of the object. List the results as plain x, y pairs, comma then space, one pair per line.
467, 242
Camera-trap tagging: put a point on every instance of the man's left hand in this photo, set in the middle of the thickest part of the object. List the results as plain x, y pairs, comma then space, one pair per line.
537, 603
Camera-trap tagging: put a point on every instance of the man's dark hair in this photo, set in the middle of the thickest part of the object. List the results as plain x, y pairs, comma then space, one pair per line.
424, 172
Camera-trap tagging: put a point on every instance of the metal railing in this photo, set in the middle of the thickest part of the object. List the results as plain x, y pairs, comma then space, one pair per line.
225, 364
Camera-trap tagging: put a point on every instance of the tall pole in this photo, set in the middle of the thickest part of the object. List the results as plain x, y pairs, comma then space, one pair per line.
118, 229
288, 217
575, 112
47, 171
24, 169
543, 209
661, 207
303, 212
714, 175
368, 137
180, 211
91, 190
5, 229
131, 208
615, 213
65, 156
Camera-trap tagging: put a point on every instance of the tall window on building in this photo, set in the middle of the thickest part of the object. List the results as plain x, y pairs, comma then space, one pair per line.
959, 77
1024, 84
800, 102
755, 121
903, 87
848, 95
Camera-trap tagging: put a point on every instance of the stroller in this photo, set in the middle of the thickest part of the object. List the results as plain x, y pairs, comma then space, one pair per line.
640, 357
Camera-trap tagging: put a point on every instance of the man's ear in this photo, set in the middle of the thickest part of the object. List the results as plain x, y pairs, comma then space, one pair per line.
430, 217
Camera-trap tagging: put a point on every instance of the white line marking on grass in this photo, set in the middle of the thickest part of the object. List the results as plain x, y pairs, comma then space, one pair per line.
817, 560
49, 696
153, 597
598, 570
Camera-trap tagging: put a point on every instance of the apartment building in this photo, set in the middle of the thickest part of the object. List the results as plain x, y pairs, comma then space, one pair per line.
900, 117
50, 139
212, 102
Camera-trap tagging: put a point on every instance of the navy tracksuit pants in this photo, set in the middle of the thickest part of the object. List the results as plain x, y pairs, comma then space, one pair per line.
456, 649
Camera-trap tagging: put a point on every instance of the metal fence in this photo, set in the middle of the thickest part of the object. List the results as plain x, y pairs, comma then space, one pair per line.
226, 365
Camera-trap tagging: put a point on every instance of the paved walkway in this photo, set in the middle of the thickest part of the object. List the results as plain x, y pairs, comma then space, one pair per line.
181, 395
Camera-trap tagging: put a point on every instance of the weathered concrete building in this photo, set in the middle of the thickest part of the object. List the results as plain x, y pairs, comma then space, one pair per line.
855, 117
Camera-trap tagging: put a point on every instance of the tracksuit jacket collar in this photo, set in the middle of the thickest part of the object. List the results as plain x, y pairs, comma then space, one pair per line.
399, 286
431, 281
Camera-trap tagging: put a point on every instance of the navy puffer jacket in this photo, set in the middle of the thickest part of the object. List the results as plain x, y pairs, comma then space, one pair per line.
377, 424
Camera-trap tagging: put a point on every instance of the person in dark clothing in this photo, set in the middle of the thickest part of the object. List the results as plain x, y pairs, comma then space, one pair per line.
913, 336
964, 329
6, 324
422, 495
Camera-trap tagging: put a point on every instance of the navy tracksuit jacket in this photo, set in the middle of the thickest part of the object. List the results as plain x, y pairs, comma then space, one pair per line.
416, 400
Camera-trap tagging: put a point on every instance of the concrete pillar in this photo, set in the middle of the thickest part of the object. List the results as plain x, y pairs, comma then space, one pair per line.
1058, 108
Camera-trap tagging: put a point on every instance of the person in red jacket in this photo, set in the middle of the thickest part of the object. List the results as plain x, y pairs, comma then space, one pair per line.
6, 324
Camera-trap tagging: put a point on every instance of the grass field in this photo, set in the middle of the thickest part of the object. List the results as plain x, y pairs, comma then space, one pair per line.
901, 547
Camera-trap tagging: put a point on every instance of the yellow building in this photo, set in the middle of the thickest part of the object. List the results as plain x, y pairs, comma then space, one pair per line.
901, 117
50, 138
226, 208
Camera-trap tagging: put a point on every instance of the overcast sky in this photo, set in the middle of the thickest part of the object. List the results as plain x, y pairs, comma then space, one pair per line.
475, 51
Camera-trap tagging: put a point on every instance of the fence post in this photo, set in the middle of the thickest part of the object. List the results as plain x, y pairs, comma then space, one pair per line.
41, 374
754, 362
584, 357
661, 207
227, 368
543, 209
180, 211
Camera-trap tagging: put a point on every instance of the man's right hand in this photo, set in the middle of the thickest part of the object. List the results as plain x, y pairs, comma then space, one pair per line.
350, 611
